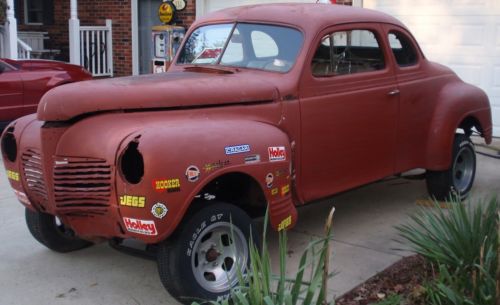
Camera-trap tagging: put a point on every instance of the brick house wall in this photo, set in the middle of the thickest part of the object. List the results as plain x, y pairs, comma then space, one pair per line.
95, 13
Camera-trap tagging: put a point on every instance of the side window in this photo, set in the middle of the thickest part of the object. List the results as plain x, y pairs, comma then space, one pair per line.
348, 52
403, 50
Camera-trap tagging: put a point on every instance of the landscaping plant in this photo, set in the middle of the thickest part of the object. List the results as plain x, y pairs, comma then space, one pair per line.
462, 245
259, 286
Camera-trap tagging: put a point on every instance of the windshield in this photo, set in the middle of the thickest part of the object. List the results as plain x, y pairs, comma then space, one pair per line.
244, 45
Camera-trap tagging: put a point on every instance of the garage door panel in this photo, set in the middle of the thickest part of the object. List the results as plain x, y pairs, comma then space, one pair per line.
462, 34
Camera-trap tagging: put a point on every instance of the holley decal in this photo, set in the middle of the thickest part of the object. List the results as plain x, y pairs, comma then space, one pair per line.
144, 227
277, 153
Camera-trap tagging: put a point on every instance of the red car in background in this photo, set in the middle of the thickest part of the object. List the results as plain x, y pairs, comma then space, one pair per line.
24, 82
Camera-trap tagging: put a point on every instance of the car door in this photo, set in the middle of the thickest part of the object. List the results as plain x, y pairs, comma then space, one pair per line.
349, 110
417, 98
11, 93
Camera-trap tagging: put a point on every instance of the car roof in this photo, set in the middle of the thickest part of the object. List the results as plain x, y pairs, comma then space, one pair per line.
308, 16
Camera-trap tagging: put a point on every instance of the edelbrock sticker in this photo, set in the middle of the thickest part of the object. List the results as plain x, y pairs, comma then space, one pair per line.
277, 153
159, 210
139, 226
237, 149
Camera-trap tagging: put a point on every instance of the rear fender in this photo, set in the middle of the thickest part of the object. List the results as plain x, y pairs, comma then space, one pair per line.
456, 102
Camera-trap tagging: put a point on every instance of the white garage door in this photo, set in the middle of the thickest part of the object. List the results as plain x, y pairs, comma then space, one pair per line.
462, 34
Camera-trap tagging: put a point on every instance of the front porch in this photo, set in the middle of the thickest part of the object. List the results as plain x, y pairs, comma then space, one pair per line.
57, 34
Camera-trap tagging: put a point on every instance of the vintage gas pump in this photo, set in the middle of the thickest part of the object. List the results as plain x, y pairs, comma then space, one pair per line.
166, 38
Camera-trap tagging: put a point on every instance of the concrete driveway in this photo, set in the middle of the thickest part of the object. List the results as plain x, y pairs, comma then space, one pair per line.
363, 245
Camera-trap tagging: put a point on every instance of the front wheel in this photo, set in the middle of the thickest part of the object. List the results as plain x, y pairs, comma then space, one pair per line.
204, 257
52, 233
458, 179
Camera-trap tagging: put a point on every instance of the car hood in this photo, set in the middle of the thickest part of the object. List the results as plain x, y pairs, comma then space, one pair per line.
158, 91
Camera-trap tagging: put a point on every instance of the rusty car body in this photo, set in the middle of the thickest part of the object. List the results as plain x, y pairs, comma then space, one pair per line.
24, 82
312, 100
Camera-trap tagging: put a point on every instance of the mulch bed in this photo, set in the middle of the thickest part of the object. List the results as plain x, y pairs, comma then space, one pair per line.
404, 278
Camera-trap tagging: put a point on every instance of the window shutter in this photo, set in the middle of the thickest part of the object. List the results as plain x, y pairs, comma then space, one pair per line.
48, 12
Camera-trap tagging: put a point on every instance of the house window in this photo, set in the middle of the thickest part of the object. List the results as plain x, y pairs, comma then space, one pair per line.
33, 13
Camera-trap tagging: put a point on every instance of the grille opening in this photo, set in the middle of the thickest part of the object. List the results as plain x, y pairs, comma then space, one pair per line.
9, 145
132, 163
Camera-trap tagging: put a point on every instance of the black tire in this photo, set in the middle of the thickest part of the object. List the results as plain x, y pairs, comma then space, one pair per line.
52, 235
194, 247
457, 181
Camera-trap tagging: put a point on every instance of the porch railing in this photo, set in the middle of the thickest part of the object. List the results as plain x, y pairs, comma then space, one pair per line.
96, 49
23, 50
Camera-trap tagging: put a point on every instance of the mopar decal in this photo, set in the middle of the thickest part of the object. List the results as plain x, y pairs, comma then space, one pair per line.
277, 153
12, 175
171, 185
133, 201
144, 227
237, 149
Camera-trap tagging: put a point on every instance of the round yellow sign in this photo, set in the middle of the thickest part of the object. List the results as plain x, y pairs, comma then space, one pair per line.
166, 12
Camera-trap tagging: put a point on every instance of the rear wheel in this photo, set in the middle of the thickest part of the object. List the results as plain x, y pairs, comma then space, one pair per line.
203, 258
458, 179
52, 233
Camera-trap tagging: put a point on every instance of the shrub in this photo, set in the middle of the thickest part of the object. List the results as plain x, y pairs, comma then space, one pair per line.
463, 246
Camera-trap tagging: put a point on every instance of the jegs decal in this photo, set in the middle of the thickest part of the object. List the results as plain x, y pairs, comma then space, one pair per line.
133, 201
12, 175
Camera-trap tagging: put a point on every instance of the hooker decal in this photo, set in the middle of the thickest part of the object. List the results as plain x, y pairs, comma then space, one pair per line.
171, 185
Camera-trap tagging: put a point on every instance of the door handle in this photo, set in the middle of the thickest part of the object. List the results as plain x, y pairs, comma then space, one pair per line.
393, 92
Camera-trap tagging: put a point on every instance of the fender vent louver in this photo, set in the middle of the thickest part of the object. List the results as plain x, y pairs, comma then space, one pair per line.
33, 175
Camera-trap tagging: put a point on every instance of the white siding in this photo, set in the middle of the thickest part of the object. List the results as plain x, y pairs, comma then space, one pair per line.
462, 34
